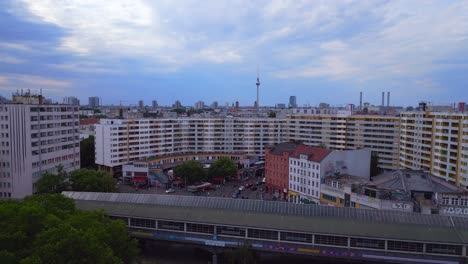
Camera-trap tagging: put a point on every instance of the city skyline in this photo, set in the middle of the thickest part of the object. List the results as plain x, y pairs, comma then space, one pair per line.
137, 50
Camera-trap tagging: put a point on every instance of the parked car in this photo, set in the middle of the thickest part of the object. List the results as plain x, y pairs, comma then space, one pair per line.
236, 194
254, 188
241, 188
248, 185
170, 190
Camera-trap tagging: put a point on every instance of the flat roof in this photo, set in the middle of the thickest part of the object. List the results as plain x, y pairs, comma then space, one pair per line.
280, 216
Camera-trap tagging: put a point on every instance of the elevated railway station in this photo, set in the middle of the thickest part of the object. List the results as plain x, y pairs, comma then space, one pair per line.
222, 224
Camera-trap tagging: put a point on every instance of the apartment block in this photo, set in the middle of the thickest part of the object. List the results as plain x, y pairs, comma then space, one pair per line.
436, 143
35, 138
121, 141
377, 133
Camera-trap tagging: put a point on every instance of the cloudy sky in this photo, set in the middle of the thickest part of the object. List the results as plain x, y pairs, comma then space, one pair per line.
167, 50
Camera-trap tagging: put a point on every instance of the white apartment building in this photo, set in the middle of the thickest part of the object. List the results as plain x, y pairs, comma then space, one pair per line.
436, 143
308, 166
121, 141
35, 138
377, 133
304, 179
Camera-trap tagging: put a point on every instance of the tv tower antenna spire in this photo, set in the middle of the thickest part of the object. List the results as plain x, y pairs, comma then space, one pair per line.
258, 88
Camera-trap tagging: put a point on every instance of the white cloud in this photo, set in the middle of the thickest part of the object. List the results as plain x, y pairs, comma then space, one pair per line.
355, 40
14, 82
83, 67
15, 46
10, 59
407, 43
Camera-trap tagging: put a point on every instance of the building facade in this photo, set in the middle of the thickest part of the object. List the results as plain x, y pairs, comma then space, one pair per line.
437, 143
277, 167
35, 139
94, 102
121, 141
433, 142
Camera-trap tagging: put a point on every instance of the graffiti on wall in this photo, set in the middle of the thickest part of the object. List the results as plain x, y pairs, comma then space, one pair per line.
336, 168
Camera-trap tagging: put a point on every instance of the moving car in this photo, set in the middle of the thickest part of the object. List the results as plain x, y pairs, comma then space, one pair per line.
242, 188
170, 190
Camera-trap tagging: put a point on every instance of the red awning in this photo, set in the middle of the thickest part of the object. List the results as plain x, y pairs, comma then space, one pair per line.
140, 179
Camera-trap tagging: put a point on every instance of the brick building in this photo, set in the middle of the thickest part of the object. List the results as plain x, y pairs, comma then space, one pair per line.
277, 167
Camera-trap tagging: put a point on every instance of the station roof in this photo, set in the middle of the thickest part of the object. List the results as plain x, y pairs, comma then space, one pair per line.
280, 216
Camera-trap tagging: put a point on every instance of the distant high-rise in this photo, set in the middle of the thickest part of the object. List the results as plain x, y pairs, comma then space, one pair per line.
324, 105
214, 105
257, 103
177, 104
71, 100
292, 101
141, 104
199, 105
360, 101
93, 102
154, 104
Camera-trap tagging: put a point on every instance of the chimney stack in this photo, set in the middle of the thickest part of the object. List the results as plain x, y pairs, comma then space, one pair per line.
382, 110
360, 101
388, 99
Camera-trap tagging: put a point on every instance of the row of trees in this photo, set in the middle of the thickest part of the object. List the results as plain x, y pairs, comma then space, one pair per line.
192, 171
49, 229
83, 180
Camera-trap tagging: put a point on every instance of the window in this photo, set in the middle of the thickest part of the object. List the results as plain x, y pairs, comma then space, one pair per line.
140, 222
464, 202
445, 200
296, 237
200, 228
405, 246
170, 225
230, 231
329, 197
367, 243
331, 240
263, 234
454, 201
444, 249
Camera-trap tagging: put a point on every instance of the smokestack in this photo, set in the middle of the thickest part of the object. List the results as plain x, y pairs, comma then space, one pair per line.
360, 101
388, 99
383, 103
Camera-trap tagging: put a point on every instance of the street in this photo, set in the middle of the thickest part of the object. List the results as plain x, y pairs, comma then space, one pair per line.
222, 190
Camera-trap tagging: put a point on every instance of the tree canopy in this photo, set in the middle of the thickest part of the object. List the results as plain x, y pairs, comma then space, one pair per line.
374, 164
191, 170
84, 180
49, 229
87, 153
223, 167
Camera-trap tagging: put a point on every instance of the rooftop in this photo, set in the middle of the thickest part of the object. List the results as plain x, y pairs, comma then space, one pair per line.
279, 215
413, 180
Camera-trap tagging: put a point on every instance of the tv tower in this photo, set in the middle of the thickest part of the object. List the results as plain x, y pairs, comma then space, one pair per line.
258, 87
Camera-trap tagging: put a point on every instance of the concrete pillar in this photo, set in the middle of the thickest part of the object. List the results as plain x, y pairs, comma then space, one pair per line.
214, 259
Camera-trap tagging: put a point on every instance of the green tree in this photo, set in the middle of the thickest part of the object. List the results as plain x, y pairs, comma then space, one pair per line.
87, 153
374, 164
191, 171
49, 229
223, 167
53, 183
86, 180
272, 114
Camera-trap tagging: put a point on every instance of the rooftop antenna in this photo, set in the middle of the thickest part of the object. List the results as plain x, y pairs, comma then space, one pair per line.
258, 87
